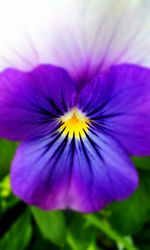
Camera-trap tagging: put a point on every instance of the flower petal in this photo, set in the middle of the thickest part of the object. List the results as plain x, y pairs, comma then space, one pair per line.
83, 175
119, 103
102, 171
85, 37
31, 102
38, 176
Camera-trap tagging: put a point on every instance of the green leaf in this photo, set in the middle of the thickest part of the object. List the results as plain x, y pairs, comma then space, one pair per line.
7, 150
42, 244
104, 226
143, 238
80, 237
7, 199
18, 235
142, 163
127, 217
5, 189
51, 224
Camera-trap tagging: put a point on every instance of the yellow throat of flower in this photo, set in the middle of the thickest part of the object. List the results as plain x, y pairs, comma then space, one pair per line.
74, 123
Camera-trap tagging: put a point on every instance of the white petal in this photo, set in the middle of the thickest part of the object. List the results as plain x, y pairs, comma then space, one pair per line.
83, 36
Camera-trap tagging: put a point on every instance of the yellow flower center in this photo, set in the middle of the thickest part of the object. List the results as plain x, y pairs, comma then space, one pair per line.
74, 123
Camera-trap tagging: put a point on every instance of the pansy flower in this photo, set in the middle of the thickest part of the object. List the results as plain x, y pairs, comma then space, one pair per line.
75, 92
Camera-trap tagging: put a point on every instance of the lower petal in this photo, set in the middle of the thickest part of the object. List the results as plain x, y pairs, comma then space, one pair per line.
84, 174
37, 179
102, 173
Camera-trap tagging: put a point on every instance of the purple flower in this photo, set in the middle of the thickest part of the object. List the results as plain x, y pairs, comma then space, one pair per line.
76, 94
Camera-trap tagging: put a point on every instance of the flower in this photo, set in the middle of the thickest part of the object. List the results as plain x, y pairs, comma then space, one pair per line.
78, 100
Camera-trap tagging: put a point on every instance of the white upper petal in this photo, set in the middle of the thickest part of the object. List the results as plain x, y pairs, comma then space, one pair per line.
83, 36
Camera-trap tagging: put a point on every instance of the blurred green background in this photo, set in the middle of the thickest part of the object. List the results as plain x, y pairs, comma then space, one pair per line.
124, 225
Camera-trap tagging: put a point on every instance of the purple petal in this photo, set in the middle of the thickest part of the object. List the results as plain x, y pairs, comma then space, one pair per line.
31, 102
83, 175
82, 37
102, 173
40, 174
119, 103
